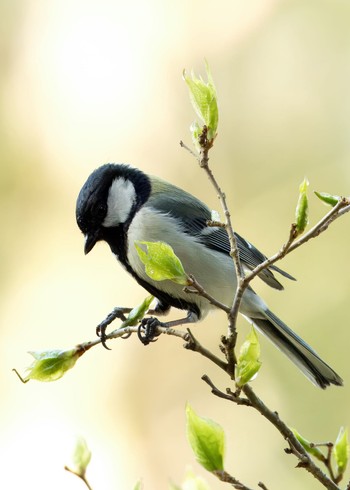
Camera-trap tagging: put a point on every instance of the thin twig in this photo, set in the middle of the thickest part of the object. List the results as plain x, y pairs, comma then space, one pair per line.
229, 395
82, 477
232, 314
261, 485
342, 207
193, 344
203, 160
227, 478
187, 148
129, 330
202, 292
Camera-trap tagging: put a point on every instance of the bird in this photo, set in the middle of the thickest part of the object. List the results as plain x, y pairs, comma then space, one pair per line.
120, 204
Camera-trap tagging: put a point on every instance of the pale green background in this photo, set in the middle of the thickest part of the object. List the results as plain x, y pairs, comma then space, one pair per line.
87, 82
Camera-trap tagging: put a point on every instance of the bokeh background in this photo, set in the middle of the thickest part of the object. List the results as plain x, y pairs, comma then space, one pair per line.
85, 83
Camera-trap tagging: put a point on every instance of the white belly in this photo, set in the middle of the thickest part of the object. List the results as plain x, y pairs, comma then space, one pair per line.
213, 270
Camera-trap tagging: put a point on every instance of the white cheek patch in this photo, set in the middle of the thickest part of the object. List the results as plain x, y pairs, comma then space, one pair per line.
121, 197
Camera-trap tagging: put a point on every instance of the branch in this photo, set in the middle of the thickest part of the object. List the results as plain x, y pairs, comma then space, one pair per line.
191, 343
297, 449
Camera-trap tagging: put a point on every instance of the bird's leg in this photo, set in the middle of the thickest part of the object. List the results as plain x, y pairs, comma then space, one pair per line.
147, 331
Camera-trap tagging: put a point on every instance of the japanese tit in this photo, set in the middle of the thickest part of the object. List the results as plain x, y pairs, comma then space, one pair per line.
121, 204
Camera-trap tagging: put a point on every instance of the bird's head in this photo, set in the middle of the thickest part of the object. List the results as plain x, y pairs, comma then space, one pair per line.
109, 198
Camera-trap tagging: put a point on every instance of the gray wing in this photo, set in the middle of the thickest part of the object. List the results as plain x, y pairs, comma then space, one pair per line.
194, 215
217, 239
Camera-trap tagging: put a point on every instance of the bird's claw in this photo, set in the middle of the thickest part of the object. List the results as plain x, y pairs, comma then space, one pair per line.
101, 332
118, 312
147, 330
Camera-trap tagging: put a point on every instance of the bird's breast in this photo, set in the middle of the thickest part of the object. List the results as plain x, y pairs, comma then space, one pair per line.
213, 270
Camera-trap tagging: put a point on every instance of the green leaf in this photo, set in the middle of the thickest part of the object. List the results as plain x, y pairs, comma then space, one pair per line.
341, 450
137, 313
196, 131
215, 216
248, 362
51, 365
302, 209
138, 486
314, 451
81, 456
161, 263
204, 100
207, 440
328, 198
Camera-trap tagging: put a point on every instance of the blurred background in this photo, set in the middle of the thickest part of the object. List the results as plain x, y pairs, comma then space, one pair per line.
84, 83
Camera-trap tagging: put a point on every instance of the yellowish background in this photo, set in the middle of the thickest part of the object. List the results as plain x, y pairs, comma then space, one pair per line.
87, 82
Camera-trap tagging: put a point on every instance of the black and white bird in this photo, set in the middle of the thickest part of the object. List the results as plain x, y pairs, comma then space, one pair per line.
121, 204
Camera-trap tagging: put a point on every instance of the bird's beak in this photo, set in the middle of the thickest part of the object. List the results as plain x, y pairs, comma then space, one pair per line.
90, 241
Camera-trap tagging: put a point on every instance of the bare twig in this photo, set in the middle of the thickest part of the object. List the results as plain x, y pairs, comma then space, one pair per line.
229, 395
187, 148
342, 207
227, 478
261, 485
193, 344
123, 332
198, 288
82, 477
203, 160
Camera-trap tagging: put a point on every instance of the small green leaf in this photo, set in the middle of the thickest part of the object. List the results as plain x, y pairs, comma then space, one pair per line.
204, 101
215, 215
248, 362
328, 198
302, 209
207, 440
138, 485
341, 450
314, 451
161, 263
196, 131
137, 313
81, 456
51, 365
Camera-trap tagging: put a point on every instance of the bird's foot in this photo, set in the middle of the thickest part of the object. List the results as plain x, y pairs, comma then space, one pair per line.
118, 312
148, 330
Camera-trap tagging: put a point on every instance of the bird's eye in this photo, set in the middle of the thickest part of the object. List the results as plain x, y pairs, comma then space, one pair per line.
100, 210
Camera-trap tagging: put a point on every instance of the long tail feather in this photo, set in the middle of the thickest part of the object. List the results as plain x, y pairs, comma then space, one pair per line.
298, 351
